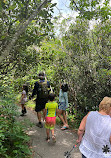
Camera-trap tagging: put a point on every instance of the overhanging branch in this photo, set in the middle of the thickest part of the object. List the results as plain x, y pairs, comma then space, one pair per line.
20, 30
76, 5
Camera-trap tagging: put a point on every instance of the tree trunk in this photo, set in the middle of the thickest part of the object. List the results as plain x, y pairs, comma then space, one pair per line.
21, 28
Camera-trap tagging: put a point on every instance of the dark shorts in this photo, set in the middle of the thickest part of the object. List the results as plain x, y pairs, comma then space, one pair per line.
40, 104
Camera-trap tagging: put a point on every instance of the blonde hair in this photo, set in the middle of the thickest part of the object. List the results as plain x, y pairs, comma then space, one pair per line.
105, 105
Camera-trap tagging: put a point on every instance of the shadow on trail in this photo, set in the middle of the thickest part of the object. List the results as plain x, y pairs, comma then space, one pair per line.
65, 140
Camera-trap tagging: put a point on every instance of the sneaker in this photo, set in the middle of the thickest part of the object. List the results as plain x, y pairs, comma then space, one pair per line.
48, 139
40, 125
54, 138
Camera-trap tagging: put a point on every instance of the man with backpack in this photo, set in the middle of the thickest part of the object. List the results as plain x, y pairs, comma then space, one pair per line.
41, 89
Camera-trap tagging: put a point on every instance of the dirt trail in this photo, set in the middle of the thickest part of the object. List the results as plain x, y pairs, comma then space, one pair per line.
64, 140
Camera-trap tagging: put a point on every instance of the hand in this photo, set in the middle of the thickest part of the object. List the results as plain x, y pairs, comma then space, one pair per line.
78, 141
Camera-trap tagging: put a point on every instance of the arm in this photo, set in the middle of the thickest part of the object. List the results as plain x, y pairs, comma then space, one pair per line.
57, 112
110, 139
81, 129
45, 112
22, 96
35, 90
49, 86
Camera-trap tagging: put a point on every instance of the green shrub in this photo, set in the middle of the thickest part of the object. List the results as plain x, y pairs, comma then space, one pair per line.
14, 142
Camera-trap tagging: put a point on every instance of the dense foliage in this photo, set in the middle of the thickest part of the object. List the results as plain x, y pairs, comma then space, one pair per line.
92, 9
22, 23
14, 142
78, 55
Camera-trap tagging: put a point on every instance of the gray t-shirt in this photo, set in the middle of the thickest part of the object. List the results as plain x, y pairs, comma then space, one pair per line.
24, 100
63, 97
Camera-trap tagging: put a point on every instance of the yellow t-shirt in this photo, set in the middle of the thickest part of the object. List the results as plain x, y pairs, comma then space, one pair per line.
51, 108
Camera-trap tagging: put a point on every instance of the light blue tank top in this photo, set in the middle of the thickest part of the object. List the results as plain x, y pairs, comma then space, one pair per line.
95, 142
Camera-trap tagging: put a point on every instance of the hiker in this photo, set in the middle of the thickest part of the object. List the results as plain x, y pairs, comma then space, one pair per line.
23, 99
51, 110
41, 89
63, 105
96, 128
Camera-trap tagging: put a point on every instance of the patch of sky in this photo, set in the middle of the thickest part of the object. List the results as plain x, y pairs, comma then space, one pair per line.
63, 8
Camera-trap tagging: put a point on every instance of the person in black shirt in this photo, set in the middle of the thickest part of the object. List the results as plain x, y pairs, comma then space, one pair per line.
41, 89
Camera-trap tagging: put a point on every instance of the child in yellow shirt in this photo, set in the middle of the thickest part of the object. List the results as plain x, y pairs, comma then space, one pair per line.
51, 109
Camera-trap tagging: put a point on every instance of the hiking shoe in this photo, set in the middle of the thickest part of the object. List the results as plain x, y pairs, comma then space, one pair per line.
25, 111
22, 114
48, 139
54, 138
40, 125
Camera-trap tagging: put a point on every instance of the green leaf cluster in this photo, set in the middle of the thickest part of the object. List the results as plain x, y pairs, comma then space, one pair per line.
92, 9
16, 36
13, 139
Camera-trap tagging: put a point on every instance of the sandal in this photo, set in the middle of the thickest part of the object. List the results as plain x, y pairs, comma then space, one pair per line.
53, 138
64, 128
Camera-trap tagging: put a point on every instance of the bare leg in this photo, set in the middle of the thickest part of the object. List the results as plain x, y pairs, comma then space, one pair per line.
60, 116
53, 136
39, 124
43, 114
52, 131
39, 116
22, 105
65, 117
48, 133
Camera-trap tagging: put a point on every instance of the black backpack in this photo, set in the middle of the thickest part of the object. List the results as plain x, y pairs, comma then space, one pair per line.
43, 90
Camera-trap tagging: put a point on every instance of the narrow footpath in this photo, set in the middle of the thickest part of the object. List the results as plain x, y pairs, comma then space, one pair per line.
65, 140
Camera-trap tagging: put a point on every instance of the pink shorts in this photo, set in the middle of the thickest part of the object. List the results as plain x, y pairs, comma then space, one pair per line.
50, 122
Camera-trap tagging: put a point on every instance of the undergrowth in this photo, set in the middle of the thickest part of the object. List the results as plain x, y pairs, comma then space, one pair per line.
14, 142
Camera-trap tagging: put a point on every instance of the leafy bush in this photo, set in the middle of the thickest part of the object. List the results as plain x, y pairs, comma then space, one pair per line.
74, 117
14, 141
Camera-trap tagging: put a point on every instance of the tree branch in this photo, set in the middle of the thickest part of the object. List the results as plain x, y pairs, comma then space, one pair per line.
76, 5
20, 30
